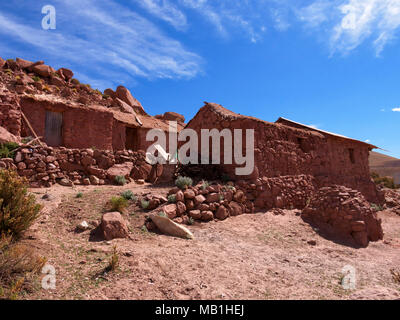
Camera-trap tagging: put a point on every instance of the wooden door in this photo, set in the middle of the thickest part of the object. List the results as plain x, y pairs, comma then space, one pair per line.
53, 128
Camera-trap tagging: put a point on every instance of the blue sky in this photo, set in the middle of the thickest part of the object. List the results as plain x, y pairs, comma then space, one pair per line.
331, 64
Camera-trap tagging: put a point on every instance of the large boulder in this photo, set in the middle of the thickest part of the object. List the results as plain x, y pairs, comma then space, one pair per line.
169, 227
65, 73
171, 116
125, 95
122, 106
43, 70
346, 211
113, 226
24, 64
123, 169
6, 136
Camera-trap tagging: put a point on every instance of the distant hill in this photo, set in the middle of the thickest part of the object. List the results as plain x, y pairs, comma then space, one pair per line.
385, 165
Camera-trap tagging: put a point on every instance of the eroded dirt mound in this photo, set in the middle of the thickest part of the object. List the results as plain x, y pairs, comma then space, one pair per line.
347, 212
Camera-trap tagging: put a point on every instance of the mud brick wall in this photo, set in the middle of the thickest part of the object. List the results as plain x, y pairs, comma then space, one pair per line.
83, 127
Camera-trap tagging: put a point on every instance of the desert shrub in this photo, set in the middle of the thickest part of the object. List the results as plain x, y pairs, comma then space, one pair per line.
376, 207
79, 195
18, 209
128, 195
118, 204
172, 198
204, 184
105, 96
75, 81
19, 265
162, 214
7, 149
388, 182
144, 204
183, 182
120, 180
27, 139
36, 78
190, 221
113, 263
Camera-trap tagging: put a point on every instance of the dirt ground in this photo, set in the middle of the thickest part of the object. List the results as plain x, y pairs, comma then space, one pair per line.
252, 256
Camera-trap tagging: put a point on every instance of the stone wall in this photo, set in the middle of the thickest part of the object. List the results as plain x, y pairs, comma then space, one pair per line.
346, 211
45, 166
10, 115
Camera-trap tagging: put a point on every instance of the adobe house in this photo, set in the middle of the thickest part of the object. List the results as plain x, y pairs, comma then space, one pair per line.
73, 125
286, 148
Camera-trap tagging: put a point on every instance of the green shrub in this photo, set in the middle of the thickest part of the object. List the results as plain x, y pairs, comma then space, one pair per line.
144, 204
183, 182
388, 182
79, 195
18, 209
204, 184
376, 207
172, 198
118, 204
190, 221
120, 180
162, 214
36, 78
128, 195
7, 149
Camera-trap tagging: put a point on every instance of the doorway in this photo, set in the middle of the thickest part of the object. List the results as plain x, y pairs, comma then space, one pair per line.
132, 139
53, 128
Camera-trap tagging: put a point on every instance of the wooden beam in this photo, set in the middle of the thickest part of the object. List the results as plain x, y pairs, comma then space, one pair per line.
30, 127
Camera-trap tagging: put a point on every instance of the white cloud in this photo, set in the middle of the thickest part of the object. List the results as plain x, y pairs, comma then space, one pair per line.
396, 109
353, 22
116, 47
165, 10
314, 14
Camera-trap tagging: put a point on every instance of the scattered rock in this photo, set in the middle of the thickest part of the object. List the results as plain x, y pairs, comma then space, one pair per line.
169, 227
113, 226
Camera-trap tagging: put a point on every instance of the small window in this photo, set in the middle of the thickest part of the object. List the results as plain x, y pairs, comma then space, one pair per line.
351, 155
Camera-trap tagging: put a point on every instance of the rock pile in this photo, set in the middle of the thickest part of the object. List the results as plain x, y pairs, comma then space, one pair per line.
35, 78
392, 200
346, 211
